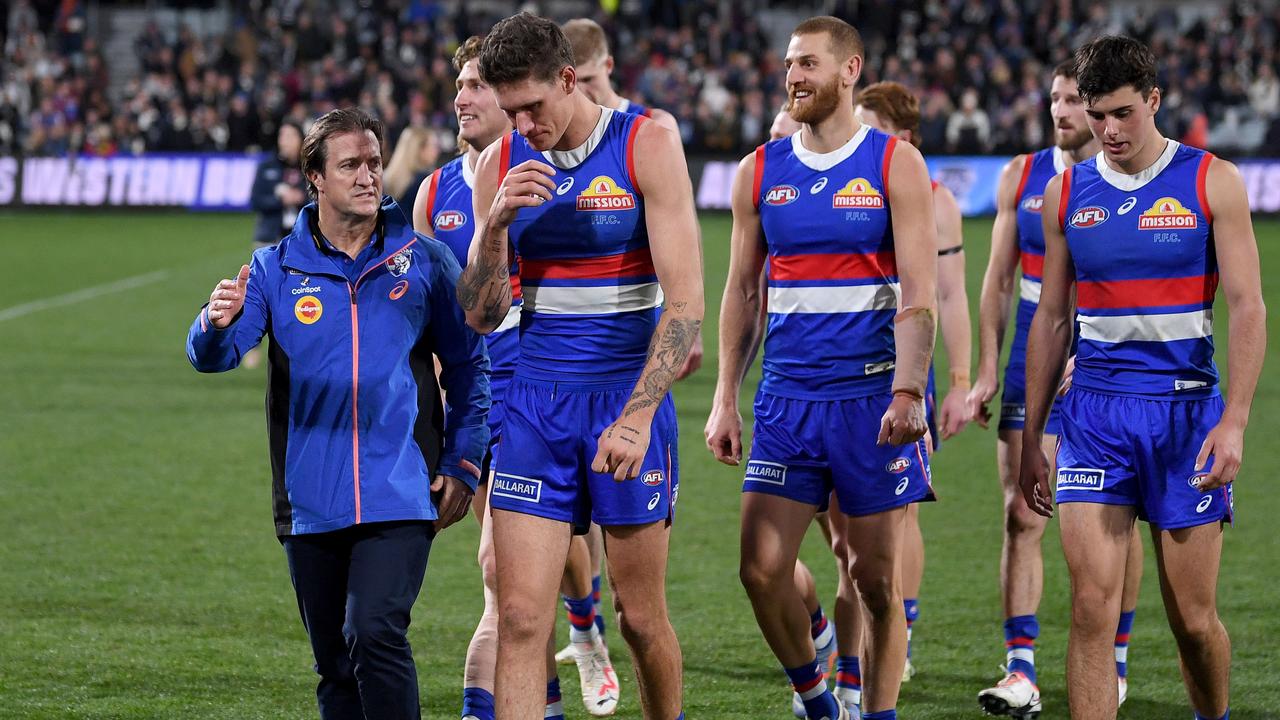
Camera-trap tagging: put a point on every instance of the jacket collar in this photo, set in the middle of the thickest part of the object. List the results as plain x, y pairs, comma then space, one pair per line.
302, 252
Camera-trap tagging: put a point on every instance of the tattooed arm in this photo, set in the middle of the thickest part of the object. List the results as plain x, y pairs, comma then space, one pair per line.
663, 179
484, 288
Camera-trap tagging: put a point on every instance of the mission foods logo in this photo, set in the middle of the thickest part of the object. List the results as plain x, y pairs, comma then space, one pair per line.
1167, 214
857, 194
604, 194
1088, 217
1033, 204
781, 195
450, 220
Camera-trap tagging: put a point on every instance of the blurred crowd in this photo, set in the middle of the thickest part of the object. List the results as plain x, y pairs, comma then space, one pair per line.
978, 66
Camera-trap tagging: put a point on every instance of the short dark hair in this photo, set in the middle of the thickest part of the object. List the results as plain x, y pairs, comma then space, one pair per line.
467, 51
335, 122
844, 39
524, 47
1065, 69
1111, 62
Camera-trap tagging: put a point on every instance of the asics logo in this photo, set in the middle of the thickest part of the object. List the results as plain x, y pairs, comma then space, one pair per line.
902, 487
817, 187
653, 501
1204, 503
1127, 206
565, 187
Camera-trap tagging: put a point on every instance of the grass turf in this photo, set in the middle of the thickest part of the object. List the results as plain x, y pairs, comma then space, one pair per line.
139, 575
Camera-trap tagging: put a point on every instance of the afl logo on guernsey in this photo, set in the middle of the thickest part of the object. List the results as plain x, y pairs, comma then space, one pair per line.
1033, 204
1088, 217
1167, 214
857, 194
781, 195
450, 220
308, 309
604, 194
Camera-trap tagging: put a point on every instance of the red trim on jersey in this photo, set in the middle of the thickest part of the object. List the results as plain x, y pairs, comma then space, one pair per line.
1063, 198
431, 196
1032, 264
504, 158
755, 185
933, 185
648, 112
888, 158
1022, 184
1202, 191
631, 152
833, 266
1158, 292
627, 264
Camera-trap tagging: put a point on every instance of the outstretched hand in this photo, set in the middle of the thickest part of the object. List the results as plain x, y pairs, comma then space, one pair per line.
227, 299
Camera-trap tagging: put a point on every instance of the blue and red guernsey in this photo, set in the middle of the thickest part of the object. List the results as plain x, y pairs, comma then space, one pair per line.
1037, 171
833, 277
452, 222
591, 294
1146, 274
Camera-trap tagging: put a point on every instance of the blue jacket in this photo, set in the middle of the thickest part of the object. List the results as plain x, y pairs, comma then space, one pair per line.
354, 416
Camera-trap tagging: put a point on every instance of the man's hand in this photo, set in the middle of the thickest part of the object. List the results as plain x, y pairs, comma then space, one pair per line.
954, 413
452, 498
693, 360
1034, 479
724, 435
621, 448
1225, 443
228, 298
904, 421
979, 395
528, 184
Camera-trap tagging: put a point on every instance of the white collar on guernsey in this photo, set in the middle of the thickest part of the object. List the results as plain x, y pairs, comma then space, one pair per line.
1129, 183
1059, 160
825, 161
623, 105
468, 172
569, 159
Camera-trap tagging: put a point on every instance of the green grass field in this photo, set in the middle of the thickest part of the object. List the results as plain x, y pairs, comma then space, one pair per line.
140, 576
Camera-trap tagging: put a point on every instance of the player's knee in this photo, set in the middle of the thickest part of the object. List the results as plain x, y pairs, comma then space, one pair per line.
1089, 609
521, 623
762, 578
1020, 521
877, 593
1195, 626
641, 629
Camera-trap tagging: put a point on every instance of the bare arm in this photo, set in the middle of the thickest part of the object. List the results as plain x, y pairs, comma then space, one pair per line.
665, 119
953, 309
1048, 343
997, 289
663, 179
1237, 252
422, 223
740, 317
914, 328
484, 289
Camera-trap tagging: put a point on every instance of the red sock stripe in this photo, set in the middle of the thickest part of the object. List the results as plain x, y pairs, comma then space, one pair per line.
1122, 639
848, 678
582, 620
802, 689
1020, 642
817, 628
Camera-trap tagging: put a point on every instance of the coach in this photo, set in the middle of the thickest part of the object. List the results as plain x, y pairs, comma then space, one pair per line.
355, 305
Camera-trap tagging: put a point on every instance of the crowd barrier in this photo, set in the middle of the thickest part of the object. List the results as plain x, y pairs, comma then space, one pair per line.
222, 182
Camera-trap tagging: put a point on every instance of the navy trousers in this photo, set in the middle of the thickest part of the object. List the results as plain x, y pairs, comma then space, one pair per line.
355, 589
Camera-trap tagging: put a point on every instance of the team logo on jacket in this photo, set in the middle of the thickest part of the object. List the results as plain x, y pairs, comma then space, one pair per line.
399, 263
450, 220
308, 309
857, 194
1033, 204
1087, 217
1167, 214
603, 194
781, 195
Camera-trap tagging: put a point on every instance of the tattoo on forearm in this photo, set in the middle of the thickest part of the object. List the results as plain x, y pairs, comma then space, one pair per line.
485, 284
667, 353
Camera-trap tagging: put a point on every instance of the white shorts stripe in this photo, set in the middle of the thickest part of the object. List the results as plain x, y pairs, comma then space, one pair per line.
511, 321
1031, 290
591, 300
1156, 328
838, 299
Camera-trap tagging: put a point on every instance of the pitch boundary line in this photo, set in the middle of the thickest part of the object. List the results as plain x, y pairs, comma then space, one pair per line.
76, 296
